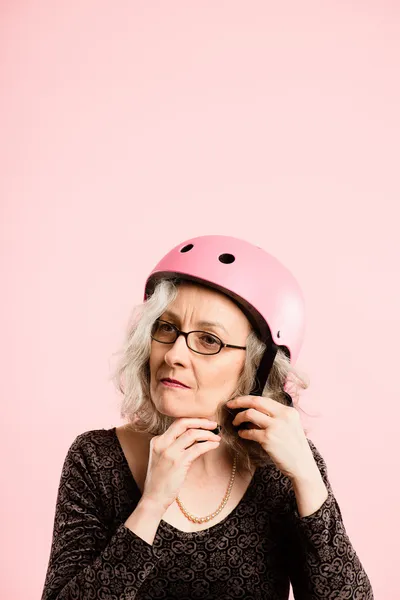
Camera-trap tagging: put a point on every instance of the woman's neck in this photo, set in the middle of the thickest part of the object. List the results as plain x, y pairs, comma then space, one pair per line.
211, 464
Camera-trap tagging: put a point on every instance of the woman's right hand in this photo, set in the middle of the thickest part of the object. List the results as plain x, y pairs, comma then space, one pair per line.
171, 455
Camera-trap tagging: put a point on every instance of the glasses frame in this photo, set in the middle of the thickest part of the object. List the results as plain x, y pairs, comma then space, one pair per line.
185, 335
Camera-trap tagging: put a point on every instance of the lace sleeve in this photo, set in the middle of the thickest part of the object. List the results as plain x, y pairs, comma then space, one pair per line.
321, 561
86, 559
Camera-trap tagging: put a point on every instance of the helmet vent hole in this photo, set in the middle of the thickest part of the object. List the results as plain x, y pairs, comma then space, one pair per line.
187, 248
227, 259
279, 334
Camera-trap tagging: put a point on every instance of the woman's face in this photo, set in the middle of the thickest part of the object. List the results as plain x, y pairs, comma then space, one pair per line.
211, 379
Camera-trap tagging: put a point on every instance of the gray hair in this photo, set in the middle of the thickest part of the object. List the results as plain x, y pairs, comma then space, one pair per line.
131, 377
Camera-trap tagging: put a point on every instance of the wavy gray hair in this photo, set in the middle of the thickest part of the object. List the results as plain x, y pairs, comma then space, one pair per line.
132, 379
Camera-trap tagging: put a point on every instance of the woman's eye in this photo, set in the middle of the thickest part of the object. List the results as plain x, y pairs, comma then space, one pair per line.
165, 327
209, 340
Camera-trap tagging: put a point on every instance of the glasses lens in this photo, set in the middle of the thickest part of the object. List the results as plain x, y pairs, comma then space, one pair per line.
163, 332
203, 342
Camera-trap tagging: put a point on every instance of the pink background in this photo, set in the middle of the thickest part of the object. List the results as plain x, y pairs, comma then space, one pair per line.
129, 126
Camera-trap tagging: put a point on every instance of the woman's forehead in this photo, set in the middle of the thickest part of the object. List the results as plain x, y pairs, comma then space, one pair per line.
206, 306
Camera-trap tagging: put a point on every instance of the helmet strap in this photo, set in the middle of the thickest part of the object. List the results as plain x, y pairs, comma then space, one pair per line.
264, 369
263, 372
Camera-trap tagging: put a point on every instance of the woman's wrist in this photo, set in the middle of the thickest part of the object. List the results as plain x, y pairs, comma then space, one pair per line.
151, 506
310, 491
145, 519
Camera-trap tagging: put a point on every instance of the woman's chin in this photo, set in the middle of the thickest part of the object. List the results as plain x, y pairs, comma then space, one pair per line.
176, 412
171, 406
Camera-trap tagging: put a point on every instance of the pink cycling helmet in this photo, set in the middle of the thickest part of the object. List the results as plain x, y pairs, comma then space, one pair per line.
264, 289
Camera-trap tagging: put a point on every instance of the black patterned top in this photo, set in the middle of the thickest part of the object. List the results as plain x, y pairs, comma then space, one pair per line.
253, 553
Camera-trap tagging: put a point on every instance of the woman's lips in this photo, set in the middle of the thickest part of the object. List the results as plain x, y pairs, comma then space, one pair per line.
171, 384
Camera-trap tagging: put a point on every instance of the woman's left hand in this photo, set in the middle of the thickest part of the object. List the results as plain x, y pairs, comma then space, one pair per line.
278, 430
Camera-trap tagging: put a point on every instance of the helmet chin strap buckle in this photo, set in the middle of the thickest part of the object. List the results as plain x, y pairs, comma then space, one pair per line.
217, 430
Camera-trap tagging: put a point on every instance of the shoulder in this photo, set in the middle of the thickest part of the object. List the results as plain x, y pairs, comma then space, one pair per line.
93, 441
114, 442
94, 450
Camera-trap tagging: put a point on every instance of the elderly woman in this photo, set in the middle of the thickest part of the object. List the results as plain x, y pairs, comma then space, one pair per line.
211, 489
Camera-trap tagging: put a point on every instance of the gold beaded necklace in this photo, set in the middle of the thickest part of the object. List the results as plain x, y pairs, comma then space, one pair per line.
194, 519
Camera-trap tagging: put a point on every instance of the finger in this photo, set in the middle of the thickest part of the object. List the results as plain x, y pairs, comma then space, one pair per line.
254, 416
263, 404
180, 426
255, 435
197, 449
192, 436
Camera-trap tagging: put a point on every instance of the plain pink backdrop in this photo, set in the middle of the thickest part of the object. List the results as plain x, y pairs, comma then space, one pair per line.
129, 126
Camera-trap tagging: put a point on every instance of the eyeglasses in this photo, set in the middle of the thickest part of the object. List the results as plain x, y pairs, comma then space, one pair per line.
201, 342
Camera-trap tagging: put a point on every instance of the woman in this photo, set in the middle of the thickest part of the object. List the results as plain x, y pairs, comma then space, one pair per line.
163, 507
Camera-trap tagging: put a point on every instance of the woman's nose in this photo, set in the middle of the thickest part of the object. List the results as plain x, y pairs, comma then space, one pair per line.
178, 352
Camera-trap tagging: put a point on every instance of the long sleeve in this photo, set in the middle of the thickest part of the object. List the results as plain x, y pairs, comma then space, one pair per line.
321, 562
86, 559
